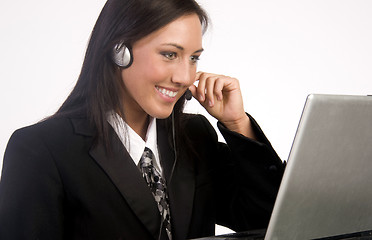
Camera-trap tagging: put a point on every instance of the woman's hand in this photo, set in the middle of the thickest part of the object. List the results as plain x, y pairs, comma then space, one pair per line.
221, 97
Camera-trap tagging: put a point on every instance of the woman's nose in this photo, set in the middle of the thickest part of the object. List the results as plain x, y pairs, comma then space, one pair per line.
183, 73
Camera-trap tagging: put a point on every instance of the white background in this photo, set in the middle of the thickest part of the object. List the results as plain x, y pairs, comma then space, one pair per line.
281, 51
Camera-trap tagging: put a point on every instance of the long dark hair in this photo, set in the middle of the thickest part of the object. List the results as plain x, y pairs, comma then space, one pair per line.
99, 88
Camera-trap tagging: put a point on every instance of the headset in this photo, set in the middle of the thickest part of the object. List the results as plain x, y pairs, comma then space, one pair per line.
122, 55
188, 95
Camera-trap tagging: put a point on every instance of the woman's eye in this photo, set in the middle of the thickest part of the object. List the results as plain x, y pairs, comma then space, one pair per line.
170, 55
194, 59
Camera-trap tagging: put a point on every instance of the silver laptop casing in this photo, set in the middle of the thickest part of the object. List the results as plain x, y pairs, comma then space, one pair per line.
327, 186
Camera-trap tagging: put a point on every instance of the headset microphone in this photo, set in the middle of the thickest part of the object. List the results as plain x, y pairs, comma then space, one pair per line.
188, 95
122, 55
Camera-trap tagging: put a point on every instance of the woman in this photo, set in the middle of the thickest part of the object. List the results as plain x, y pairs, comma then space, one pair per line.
79, 174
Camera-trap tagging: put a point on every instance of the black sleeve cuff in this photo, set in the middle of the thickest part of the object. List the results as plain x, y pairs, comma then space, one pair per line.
260, 147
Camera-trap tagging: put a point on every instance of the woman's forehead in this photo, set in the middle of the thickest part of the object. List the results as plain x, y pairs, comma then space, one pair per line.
185, 31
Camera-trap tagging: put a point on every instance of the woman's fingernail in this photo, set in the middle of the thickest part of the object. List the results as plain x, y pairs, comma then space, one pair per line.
210, 103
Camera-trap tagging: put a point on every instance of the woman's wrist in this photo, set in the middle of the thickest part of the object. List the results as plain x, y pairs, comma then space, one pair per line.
242, 126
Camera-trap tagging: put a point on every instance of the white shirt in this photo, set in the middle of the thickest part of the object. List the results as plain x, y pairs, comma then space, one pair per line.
134, 144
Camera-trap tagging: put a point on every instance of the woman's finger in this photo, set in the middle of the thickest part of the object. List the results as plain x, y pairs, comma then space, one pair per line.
209, 93
200, 90
218, 88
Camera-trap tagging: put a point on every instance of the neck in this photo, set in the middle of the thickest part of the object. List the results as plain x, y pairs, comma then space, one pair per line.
135, 116
139, 124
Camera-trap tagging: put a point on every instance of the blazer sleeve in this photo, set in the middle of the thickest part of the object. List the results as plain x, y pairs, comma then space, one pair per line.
246, 174
30, 190
255, 172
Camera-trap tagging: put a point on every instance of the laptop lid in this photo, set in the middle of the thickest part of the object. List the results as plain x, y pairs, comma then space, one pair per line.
326, 189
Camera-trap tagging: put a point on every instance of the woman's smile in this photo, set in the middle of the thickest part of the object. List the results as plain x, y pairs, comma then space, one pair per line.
167, 92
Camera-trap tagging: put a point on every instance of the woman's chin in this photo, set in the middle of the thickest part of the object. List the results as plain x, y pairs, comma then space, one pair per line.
162, 113
163, 116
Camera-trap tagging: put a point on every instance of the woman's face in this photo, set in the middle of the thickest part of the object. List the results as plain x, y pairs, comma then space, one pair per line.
164, 66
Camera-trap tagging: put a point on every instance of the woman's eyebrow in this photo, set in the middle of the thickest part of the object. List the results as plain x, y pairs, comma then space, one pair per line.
180, 47
200, 50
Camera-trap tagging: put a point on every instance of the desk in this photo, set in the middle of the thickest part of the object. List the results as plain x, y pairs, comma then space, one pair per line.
260, 235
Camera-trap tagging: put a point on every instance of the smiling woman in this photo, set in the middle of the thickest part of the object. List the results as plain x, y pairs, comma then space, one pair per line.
164, 67
120, 159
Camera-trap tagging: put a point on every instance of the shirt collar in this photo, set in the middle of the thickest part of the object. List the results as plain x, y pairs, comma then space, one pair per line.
134, 144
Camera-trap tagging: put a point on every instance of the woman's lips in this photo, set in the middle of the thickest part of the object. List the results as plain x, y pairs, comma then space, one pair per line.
166, 92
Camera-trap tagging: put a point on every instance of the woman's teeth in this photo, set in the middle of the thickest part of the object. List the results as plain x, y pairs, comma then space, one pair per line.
167, 92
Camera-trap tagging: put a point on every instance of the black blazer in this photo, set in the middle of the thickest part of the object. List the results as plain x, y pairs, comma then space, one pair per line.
58, 184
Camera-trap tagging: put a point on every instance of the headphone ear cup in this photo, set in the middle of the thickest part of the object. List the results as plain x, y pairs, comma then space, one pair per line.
122, 55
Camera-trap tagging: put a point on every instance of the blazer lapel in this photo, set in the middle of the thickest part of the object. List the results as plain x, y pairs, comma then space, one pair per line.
124, 174
182, 185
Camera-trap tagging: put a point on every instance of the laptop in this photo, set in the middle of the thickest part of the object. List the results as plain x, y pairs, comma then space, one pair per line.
326, 190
